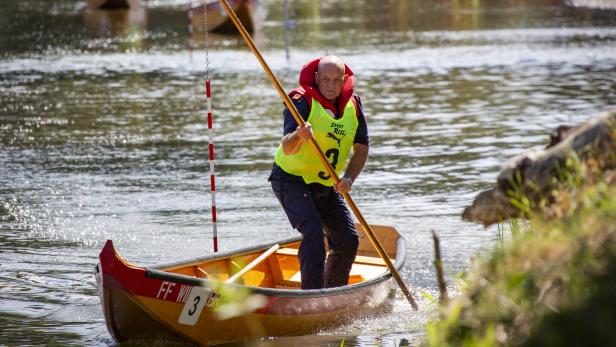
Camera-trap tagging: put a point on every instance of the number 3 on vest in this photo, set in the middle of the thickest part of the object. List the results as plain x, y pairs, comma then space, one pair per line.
332, 155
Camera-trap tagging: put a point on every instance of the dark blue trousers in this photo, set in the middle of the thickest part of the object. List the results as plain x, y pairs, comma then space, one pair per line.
318, 212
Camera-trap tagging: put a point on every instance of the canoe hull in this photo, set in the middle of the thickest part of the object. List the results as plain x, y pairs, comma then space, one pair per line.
146, 304
218, 20
113, 4
130, 322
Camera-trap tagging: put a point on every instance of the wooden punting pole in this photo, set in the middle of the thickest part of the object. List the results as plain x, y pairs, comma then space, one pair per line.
287, 101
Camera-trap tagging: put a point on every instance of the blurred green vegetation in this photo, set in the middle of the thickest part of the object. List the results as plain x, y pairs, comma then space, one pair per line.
553, 281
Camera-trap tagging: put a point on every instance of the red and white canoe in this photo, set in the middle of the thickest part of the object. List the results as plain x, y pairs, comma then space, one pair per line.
184, 300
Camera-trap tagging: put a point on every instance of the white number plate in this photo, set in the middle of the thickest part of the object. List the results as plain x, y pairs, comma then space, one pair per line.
195, 303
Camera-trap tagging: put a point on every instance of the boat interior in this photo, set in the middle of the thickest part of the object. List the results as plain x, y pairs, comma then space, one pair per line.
280, 269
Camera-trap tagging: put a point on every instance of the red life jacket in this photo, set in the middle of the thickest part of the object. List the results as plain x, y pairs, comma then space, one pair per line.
308, 87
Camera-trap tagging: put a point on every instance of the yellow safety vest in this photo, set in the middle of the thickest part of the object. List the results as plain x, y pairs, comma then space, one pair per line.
334, 136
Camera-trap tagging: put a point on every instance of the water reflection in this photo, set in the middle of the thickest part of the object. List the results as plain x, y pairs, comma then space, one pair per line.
118, 22
113, 4
389, 340
103, 135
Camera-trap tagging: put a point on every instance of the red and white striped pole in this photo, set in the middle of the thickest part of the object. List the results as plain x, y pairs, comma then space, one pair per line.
212, 161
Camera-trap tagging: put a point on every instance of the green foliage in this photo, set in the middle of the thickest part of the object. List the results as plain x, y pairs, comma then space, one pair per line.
519, 199
428, 296
234, 300
553, 283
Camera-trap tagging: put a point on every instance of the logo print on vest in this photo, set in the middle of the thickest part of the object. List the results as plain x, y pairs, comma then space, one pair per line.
330, 135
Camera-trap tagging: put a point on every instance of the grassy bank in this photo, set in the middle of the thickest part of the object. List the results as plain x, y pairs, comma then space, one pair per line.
553, 283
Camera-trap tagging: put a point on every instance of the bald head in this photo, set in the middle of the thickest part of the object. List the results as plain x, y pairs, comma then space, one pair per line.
331, 62
330, 76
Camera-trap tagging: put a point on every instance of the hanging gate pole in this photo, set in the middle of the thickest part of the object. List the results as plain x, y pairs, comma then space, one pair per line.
300, 121
212, 162
208, 94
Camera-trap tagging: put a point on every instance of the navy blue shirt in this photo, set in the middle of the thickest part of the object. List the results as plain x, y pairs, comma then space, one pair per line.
361, 135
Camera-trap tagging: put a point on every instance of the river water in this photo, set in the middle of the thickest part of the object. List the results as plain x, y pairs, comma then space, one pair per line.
103, 136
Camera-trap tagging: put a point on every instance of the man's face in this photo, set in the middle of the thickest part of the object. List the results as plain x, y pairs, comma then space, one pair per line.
329, 80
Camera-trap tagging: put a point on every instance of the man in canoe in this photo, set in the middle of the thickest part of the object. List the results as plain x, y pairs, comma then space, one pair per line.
312, 202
